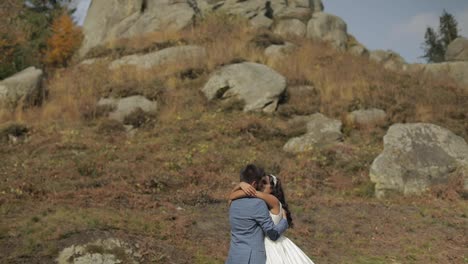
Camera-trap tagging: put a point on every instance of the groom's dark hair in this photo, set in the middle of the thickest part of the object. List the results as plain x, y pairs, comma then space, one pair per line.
251, 173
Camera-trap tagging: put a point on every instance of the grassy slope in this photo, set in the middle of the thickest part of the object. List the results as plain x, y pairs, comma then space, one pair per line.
79, 177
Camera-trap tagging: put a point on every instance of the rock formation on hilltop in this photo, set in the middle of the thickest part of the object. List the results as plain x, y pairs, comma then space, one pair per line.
109, 20
457, 50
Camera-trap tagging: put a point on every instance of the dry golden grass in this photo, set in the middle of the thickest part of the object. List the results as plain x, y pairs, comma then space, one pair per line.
341, 82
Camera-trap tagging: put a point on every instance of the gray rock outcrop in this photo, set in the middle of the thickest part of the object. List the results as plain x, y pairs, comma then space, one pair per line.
24, 87
274, 9
123, 107
261, 22
321, 132
456, 70
250, 9
262, 14
259, 86
314, 5
99, 251
300, 13
359, 50
108, 20
365, 118
417, 156
329, 28
457, 50
186, 56
290, 27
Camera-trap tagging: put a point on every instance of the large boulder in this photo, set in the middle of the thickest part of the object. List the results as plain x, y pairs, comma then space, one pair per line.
290, 27
250, 9
417, 156
321, 132
105, 251
272, 9
259, 86
389, 59
108, 20
186, 56
23, 87
261, 22
457, 50
314, 5
123, 107
299, 13
456, 70
329, 28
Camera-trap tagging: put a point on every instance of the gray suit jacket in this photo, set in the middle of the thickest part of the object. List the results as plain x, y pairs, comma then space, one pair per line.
250, 221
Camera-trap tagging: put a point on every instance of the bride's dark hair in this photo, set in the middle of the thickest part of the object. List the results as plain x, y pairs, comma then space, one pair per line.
277, 191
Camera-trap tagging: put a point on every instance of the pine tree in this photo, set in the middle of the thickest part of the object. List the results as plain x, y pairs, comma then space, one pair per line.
448, 28
433, 47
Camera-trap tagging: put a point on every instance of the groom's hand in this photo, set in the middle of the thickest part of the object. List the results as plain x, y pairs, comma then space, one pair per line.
248, 189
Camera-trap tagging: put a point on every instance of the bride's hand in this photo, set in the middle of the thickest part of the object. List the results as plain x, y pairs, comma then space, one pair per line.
248, 189
285, 214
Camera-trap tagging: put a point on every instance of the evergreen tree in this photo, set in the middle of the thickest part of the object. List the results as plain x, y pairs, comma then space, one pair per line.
448, 28
433, 47
435, 44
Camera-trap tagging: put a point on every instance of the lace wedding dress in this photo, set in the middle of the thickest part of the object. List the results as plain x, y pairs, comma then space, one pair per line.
283, 250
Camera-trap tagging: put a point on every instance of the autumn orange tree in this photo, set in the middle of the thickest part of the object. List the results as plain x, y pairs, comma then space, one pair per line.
64, 41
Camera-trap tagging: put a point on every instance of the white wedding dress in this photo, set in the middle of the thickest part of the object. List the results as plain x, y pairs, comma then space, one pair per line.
283, 250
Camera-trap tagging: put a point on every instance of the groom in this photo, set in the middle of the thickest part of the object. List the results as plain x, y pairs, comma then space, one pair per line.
250, 221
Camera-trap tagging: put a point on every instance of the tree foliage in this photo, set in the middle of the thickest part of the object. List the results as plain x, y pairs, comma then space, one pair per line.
25, 27
434, 50
63, 42
448, 28
435, 44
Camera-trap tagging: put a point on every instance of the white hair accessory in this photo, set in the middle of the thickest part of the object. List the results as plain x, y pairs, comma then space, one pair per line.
275, 180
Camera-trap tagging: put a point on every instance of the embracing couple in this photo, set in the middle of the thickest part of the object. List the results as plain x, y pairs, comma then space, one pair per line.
258, 216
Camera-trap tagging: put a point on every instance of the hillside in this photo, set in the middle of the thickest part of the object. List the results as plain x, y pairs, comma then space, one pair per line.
158, 181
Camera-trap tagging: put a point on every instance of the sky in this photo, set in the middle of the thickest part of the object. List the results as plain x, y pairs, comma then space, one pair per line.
81, 7
398, 25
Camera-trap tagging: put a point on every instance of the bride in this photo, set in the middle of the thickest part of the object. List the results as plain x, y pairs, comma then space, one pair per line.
282, 251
